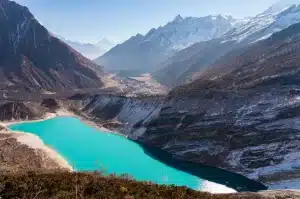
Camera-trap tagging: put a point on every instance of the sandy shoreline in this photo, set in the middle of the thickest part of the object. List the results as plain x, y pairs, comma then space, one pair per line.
36, 142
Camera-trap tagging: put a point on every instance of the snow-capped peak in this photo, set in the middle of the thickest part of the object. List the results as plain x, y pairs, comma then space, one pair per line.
280, 6
262, 26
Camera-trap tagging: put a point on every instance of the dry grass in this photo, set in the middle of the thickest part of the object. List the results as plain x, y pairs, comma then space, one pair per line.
93, 185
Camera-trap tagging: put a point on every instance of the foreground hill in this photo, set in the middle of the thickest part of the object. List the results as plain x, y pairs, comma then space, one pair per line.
33, 59
87, 185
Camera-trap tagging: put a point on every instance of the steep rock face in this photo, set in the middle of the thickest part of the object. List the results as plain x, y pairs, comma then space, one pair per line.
186, 64
142, 53
31, 58
132, 113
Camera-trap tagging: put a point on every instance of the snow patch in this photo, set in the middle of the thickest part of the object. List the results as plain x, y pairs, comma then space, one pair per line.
285, 184
20, 33
212, 187
264, 25
2, 9
285, 166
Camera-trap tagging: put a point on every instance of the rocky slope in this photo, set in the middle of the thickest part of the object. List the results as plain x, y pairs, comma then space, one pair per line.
141, 53
11, 110
124, 114
241, 116
33, 59
184, 66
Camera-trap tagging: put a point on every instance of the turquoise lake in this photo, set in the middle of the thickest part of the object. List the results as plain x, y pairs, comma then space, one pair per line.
88, 149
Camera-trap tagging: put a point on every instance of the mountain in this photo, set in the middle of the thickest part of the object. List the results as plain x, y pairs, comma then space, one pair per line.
281, 5
142, 53
186, 64
241, 115
33, 59
91, 51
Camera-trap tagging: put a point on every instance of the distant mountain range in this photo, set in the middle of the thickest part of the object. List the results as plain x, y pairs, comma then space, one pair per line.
33, 59
91, 51
186, 65
142, 53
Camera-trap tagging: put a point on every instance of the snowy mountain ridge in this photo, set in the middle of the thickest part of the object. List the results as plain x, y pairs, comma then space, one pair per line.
184, 32
142, 53
262, 26
280, 6
184, 66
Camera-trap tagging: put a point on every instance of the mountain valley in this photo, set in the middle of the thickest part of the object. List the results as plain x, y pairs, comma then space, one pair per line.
213, 91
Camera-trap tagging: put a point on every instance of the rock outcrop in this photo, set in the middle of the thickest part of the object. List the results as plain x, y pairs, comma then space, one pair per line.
21, 111
50, 103
128, 115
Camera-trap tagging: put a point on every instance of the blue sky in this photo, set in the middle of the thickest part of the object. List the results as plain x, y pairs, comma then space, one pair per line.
91, 20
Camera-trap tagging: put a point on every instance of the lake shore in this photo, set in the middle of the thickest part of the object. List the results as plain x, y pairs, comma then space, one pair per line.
36, 142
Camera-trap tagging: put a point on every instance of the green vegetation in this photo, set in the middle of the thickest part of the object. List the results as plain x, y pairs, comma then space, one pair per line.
94, 185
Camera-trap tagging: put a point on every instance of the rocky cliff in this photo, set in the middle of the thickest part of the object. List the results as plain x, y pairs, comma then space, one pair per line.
128, 115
